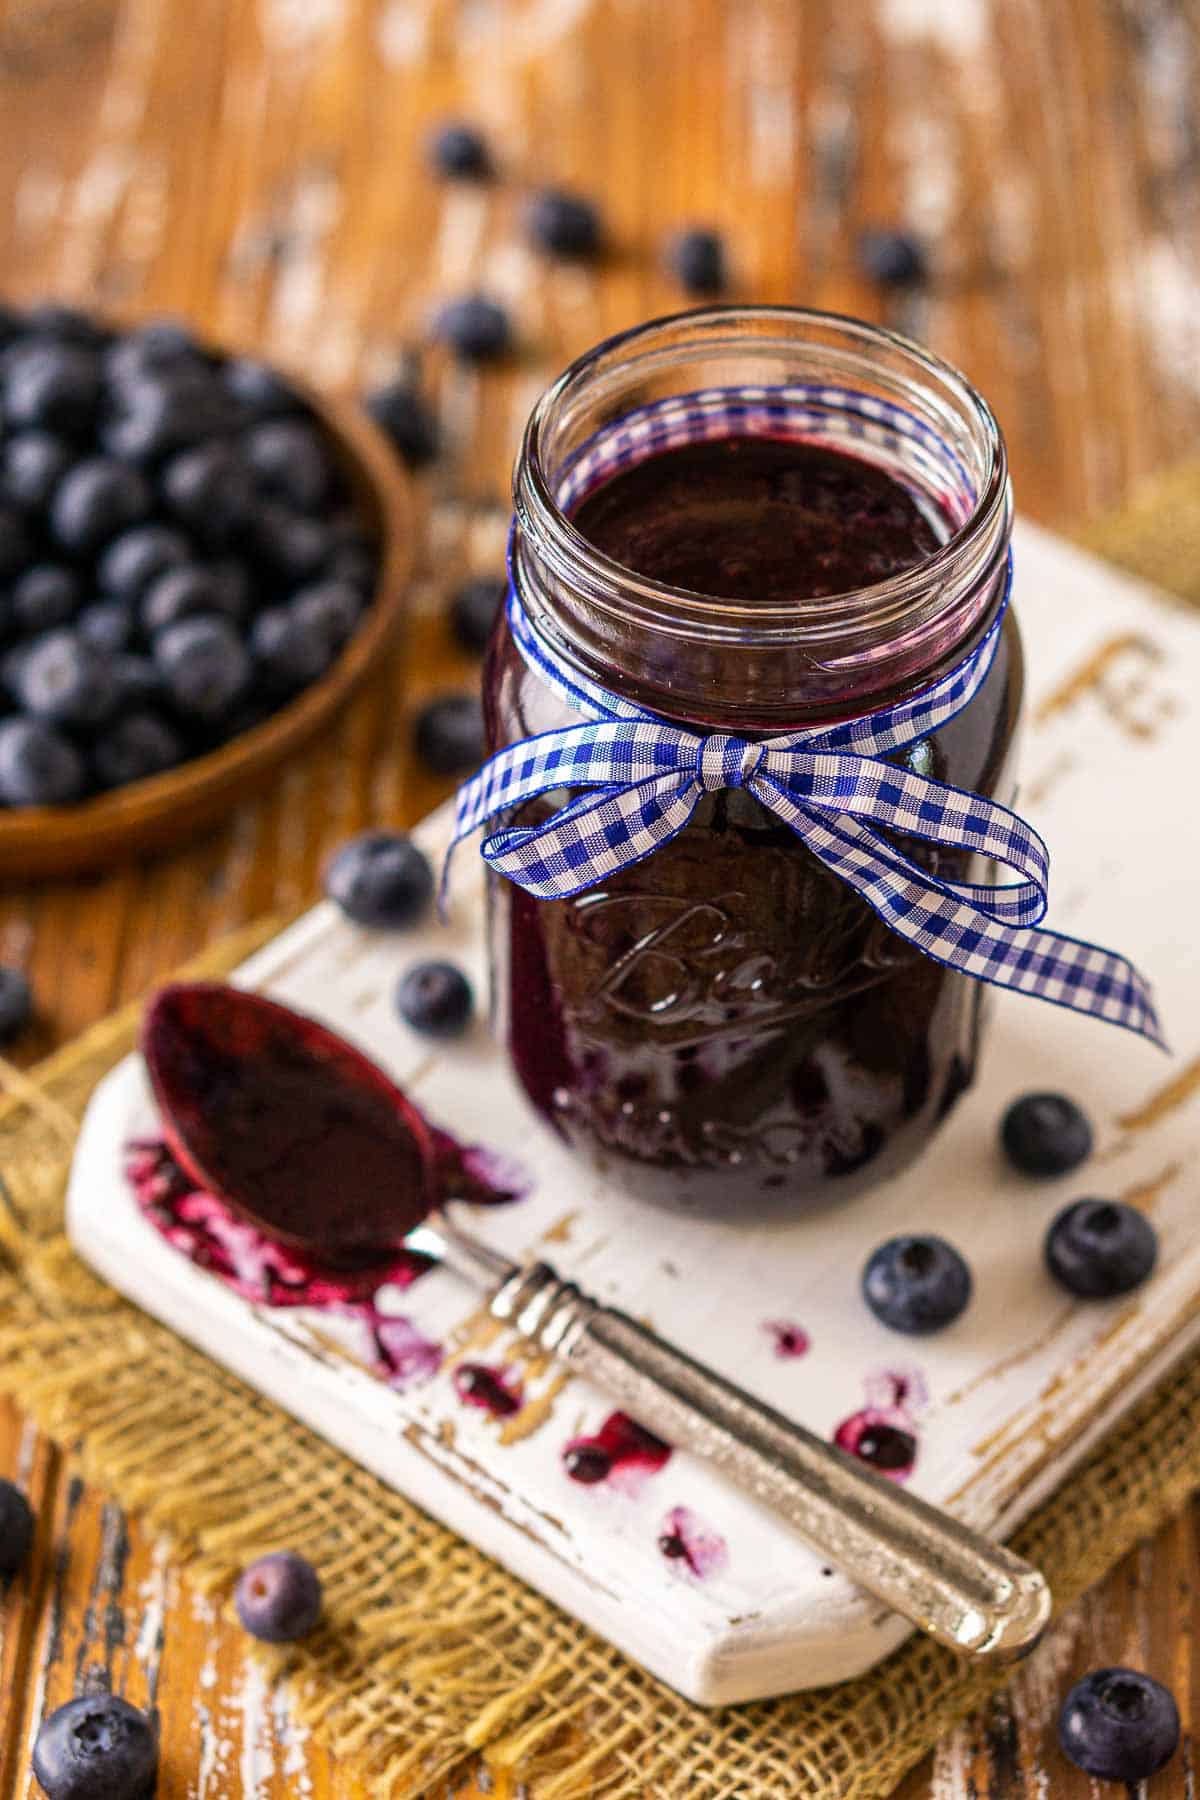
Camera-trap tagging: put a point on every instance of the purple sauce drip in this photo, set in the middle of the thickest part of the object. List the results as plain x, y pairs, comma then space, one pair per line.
493, 1390
621, 1444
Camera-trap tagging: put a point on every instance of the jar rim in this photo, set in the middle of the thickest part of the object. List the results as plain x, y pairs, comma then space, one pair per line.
878, 607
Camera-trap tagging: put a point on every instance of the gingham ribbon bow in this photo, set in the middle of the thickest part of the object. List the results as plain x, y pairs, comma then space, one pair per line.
642, 777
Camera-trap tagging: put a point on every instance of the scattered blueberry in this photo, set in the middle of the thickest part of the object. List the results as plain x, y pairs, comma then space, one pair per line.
893, 259
1045, 1134
97, 1748
278, 1598
38, 766
132, 561
1100, 1248
33, 463
459, 152
291, 462
16, 1010
403, 415
697, 259
476, 329
1119, 1725
209, 488
43, 597
55, 387
108, 624
289, 648
95, 502
204, 665
15, 546
565, 224
260, 392
473, 610
16, 1515
380, 878
331, 609
65, 680
435, 999
916, 1284
186, 593
134, 747
449, 734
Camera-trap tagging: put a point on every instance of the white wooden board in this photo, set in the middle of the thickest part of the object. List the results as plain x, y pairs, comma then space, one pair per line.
1002, 1405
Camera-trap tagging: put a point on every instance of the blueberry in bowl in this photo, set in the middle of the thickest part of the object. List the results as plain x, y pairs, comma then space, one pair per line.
200, 559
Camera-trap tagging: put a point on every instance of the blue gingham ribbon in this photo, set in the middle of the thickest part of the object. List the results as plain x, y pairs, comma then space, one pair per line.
630, 781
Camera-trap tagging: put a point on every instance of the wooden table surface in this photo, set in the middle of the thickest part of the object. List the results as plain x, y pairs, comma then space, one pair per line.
255, 165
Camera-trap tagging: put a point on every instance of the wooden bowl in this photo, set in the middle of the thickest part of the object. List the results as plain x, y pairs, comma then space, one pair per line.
152, 814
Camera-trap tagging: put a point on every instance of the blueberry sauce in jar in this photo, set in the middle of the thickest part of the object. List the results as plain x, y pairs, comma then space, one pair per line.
726, 1026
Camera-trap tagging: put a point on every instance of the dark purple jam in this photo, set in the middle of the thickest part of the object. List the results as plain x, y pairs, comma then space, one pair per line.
758, 519
726, 1025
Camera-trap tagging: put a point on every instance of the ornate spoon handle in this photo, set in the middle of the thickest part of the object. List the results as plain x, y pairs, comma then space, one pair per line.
963, 1590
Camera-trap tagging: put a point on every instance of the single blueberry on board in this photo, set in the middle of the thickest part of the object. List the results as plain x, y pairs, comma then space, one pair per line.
892, 259
16, 1515
1045, 1134
459, 152
278, 1598
696, 258
565, 224
1098, 1249
406, 419
435, 999
16, 1010
916, 1284
473, 610
449, 734
381, 879
1119, 1725
98, 1747
476, 329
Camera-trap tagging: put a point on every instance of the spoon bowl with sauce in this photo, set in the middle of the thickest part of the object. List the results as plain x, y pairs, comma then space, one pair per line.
311, 1142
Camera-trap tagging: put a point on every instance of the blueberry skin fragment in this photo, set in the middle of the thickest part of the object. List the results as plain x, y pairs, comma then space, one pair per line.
916, 1284
380, 879
278, 1598
16, 1515
1119, 1725
435, 999
1098, 1249
97, 1748
1045, 1134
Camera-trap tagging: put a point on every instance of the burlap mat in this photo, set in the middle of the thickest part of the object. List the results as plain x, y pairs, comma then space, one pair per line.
430, 1654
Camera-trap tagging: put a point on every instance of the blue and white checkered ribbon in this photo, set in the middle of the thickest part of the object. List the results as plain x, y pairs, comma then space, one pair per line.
633, 779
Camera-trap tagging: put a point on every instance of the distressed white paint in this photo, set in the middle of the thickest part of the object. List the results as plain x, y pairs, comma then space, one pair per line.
988, 1436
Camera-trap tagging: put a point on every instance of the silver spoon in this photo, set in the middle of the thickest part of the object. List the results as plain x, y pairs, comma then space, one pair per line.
308, 1139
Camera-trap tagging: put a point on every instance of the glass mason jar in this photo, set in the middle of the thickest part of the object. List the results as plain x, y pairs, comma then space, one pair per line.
726, 1026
